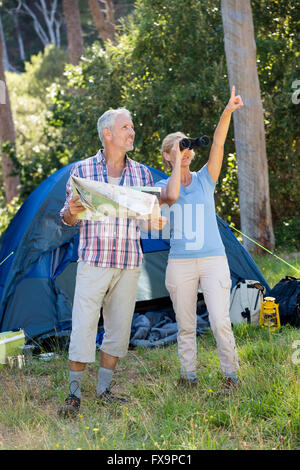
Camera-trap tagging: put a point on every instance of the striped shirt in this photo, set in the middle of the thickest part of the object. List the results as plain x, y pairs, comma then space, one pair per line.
113, 242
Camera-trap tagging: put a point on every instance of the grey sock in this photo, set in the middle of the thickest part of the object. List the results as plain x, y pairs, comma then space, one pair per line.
232, 375
104, 379
75, 377
192, 376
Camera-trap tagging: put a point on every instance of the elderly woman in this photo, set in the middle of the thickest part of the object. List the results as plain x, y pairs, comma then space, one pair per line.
197, 254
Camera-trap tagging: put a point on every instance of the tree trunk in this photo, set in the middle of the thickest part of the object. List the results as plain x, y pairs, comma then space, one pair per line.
74, 31
19, 34
103, 19
52, 22
7, 66
7, 133
254, 197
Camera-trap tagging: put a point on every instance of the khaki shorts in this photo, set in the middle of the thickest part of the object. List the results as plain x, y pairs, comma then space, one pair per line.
116, 290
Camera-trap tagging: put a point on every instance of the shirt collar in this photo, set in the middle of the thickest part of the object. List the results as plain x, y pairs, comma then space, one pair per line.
102, 160
190, 187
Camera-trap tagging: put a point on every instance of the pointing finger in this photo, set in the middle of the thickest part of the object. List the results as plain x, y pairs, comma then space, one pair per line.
233, 92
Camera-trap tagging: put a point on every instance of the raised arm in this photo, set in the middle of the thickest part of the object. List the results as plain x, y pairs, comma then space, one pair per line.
217, 149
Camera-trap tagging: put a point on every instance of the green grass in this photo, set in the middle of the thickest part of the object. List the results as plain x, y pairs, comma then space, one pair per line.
274, 270
263, 413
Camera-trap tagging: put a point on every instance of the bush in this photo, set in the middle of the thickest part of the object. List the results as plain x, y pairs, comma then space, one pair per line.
287, 233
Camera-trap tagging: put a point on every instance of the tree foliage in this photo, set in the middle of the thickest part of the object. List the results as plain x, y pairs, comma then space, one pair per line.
167, 66
30, 100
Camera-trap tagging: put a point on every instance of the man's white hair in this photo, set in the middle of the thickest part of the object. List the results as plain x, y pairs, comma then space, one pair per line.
107, 120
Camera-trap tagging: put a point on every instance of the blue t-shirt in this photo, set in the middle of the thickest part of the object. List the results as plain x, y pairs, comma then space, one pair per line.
193, 228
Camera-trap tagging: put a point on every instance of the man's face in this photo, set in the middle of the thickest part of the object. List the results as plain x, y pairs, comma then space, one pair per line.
123, 132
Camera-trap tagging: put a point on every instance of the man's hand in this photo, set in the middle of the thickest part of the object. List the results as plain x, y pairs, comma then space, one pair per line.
235, 102
75, 207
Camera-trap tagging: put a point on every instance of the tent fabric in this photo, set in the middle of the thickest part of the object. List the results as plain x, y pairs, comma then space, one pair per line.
37, 281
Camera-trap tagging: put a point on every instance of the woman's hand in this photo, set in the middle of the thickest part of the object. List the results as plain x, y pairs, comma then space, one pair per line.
176, 152
235, 102
175, 155
155, 223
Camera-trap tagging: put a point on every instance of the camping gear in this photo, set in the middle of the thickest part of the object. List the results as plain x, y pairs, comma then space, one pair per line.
287, 295
269, 314
37, 282
245, 301
160, 328
10, 344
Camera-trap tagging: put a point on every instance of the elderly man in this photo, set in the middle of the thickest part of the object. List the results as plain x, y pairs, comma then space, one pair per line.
109, 264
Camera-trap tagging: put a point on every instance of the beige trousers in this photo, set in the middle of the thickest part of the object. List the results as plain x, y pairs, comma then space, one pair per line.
182, 281
116, 289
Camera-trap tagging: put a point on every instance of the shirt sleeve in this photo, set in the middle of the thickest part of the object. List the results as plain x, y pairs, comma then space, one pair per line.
69, 195
205, 178
162, 183
150, 181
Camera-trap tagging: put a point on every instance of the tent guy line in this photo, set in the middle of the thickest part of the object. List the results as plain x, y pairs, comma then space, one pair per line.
6, 257
266, 249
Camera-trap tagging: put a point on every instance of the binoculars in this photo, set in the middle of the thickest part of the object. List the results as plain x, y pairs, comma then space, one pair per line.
190, 144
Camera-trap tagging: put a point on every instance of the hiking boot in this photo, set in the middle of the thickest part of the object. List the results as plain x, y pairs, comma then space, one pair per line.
107, 397
70, 408
184, 382
228, 385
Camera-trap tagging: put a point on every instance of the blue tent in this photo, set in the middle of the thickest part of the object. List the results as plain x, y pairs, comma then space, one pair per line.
37, 281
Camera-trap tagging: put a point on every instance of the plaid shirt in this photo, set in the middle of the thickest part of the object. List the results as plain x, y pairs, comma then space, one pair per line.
113, 242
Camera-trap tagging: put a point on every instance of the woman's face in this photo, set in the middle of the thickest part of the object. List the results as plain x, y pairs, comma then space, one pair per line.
187, 155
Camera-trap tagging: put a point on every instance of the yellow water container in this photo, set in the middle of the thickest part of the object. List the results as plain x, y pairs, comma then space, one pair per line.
269, 314
10, 343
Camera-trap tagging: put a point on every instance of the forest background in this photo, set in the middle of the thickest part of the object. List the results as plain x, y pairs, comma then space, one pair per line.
165, 62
